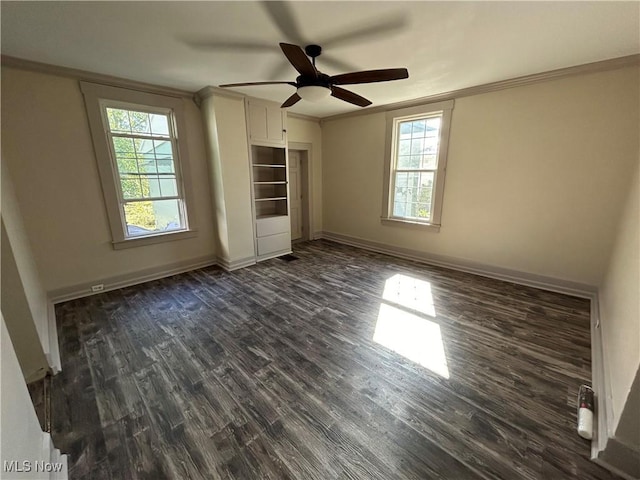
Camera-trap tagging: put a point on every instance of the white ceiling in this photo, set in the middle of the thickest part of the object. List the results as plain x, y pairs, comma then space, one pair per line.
445, 45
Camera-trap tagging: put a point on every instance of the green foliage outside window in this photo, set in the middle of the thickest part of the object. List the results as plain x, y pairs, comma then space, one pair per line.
127, 151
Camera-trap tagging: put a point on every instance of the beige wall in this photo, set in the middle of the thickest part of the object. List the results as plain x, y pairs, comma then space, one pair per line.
23, 300
47, 148
308, 131
620, 306
536, 177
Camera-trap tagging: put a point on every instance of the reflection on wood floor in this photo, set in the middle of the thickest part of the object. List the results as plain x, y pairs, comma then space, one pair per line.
341, 364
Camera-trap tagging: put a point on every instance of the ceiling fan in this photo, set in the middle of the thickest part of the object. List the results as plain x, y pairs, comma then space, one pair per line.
313, 85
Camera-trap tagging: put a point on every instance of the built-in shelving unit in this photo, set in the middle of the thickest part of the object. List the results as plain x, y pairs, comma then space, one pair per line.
269, 178
269, 181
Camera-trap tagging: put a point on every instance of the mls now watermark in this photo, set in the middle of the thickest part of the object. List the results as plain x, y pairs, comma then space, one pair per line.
25, 466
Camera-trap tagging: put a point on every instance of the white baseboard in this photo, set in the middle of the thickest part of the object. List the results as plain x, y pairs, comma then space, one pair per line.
275, 255
127, 280
600, 384
528, 279
55, 459
53, 356
39, 374
231, 265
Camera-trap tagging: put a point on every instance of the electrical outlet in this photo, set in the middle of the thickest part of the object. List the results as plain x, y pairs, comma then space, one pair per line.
97, 288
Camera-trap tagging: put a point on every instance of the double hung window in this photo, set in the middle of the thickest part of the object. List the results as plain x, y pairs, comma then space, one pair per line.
417, 141
142, 163
143, 151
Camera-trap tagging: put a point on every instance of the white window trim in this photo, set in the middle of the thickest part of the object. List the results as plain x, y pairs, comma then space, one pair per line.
95, 95
393, 118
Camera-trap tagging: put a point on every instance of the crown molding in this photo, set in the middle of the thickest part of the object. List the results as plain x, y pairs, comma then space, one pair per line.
211, 91
300, 116
22, 64
601, 66
604, 65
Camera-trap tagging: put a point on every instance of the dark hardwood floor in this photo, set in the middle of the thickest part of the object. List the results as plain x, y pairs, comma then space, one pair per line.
280, 371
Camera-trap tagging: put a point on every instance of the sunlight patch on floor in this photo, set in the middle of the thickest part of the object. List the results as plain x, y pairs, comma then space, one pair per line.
403, 326
411, 293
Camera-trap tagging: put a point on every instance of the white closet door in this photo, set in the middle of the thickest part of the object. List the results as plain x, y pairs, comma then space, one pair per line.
295, 194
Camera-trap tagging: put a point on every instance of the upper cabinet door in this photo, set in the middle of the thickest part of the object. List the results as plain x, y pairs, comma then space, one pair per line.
266, 122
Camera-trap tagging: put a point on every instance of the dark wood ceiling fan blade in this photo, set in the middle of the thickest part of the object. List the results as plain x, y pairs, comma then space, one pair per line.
216, 43
299, 60
336, 63
292, 100
283, 17
350, 97
370, 76
368, 30
226, 85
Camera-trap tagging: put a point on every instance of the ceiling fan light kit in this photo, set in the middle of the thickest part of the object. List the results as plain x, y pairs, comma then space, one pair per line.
313, 93
314, 86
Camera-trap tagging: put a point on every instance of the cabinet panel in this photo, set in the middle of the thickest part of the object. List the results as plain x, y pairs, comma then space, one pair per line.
272, 226
275, 125
274, 243
257, 121
266, 122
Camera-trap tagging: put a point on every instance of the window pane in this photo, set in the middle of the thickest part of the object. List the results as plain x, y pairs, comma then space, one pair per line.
168, 187
163, 148
145, 218
433, 124
150, 186
139, 122
414, 179
401, 179
131, 187
404, 148
418, 128
431, 145
165, 166
118, 120
417, 145
125, 155
164, 156
399, 209
405, 130
412, 195
146, 156
428, 162
159, 124
423, 196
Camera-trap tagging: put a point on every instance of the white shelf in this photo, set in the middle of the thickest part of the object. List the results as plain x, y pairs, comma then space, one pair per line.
270, 183
274, 215
268, 165
270, 199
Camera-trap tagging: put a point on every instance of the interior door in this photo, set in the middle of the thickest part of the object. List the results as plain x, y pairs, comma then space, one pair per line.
295, 194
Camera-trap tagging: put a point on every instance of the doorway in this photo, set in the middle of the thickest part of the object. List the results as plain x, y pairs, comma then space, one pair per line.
300, 192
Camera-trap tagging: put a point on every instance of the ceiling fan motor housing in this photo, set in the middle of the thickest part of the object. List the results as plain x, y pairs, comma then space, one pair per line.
322, 80
313, 51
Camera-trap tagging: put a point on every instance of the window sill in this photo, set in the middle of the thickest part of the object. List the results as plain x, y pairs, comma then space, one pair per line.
410, 224
153, 239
